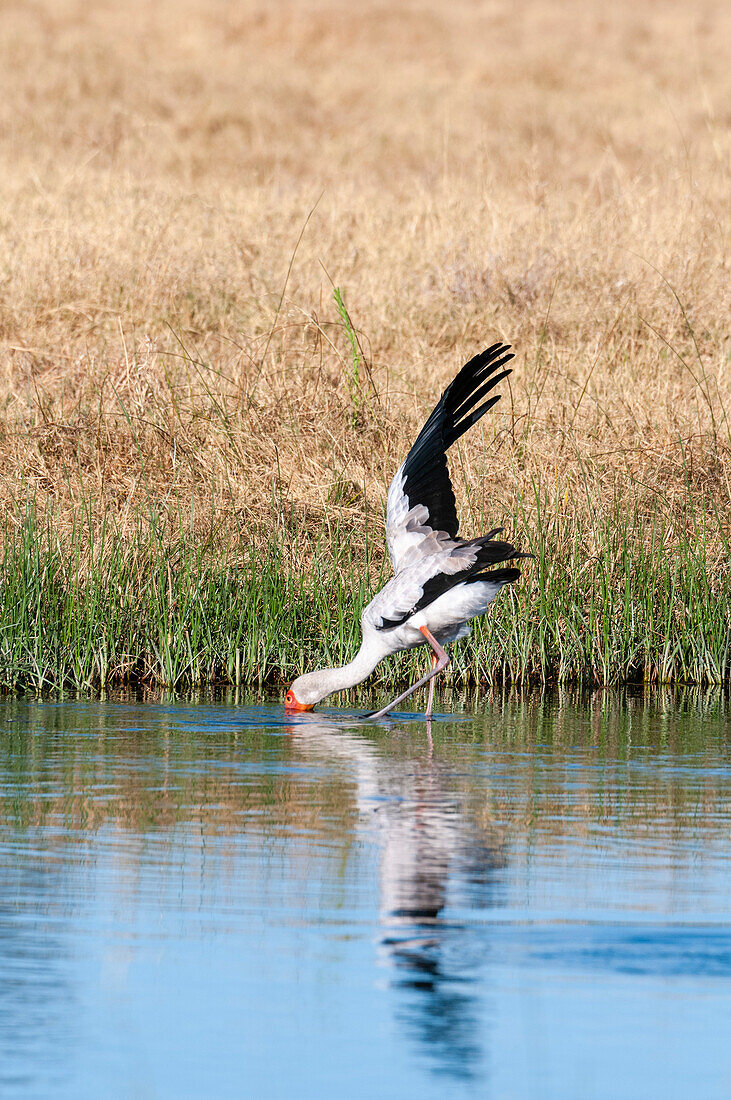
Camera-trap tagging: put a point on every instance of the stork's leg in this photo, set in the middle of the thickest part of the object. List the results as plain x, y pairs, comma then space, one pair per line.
430, 701
442, 660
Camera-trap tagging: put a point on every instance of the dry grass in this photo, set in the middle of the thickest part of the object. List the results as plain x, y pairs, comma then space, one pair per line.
181, 181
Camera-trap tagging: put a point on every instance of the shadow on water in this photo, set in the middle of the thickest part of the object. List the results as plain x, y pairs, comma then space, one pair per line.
430, 852
559, 859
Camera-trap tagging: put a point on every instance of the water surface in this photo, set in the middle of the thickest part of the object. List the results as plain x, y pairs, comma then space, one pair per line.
206, 899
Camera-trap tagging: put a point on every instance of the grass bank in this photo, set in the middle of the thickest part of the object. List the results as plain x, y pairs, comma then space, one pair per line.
205, 432
636, 598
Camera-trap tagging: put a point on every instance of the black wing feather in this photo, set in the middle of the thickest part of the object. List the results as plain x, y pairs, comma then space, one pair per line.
426, 475
488, 553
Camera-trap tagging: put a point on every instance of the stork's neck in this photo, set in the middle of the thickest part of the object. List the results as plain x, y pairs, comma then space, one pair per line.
328, 680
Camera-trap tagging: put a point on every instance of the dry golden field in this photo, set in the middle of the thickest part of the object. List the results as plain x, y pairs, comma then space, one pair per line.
183, 183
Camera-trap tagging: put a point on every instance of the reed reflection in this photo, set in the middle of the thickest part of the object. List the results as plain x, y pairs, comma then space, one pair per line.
434, 857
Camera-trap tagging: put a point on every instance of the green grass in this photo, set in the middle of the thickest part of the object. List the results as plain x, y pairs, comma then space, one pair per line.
641, 596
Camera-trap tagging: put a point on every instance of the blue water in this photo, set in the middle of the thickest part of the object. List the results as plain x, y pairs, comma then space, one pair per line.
206, 900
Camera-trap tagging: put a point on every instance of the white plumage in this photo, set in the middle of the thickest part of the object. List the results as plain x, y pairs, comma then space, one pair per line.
440, 581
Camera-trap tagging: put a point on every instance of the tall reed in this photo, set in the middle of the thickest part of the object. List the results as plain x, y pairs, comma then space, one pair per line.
638, 597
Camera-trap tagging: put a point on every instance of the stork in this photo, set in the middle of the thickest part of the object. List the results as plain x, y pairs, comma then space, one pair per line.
440, 581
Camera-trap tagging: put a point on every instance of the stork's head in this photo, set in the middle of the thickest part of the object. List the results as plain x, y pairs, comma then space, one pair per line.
304, 693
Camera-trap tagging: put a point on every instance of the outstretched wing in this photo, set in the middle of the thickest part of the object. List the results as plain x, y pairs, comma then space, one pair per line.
415, 588
421, 516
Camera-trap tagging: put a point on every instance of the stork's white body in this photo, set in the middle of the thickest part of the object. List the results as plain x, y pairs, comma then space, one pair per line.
440, 581
447, 617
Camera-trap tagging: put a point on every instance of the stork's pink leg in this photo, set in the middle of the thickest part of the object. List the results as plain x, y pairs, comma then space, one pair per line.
430, 701
441, 662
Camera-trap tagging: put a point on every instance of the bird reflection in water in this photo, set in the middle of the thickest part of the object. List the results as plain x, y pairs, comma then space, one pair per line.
434, 856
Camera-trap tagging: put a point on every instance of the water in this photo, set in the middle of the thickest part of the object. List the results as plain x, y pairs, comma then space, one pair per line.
208, 900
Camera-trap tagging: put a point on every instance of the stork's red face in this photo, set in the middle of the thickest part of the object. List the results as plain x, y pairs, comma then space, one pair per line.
292, 705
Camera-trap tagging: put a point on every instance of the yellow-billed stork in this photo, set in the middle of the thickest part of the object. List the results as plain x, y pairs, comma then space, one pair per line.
440, 581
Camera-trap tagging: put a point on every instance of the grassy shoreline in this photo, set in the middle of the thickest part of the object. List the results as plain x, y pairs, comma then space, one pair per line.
244, 247
651, 603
